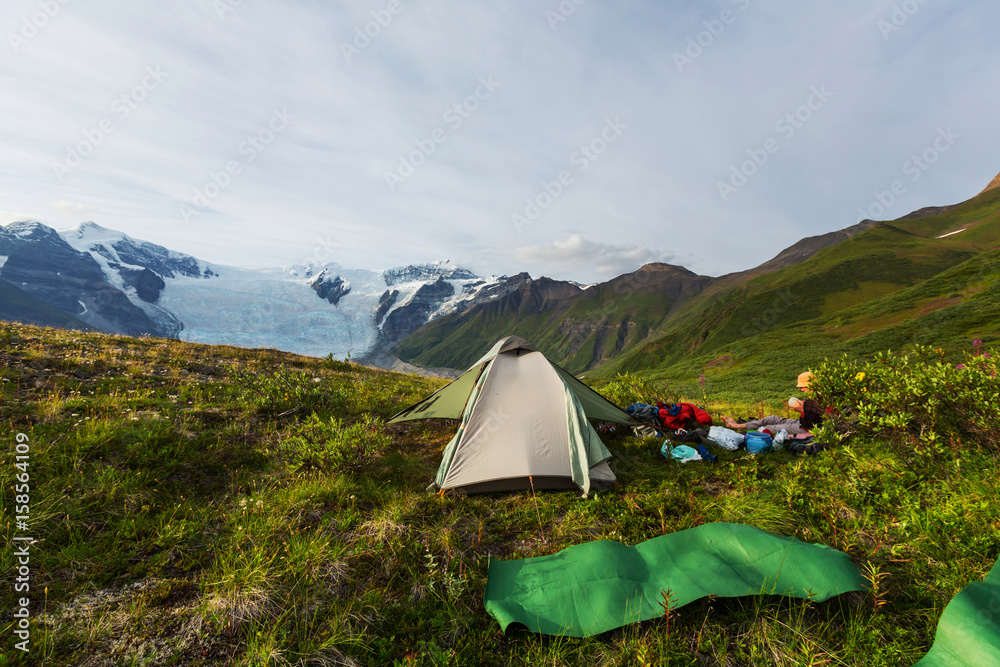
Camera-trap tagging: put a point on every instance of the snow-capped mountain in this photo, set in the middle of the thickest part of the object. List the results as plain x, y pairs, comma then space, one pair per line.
115, 283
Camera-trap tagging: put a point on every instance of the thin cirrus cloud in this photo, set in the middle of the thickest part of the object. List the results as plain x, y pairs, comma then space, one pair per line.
387, 154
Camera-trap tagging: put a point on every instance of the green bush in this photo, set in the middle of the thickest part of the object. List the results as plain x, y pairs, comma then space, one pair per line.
627, 389
917, 399
284, 393
330, 446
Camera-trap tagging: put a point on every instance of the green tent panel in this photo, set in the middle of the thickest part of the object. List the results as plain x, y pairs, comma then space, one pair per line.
591, 588
524, 424
968, 634
445, 403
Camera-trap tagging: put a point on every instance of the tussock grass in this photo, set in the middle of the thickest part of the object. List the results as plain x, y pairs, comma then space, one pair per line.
202, 505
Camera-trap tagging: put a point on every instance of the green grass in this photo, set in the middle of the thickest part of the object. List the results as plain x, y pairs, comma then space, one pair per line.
203, 505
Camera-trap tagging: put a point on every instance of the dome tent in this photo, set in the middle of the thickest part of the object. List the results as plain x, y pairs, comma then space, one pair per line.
524, 425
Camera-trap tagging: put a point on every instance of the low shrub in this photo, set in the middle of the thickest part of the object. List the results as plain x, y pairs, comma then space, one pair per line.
627, 389
330, 446
915, 399
284, 393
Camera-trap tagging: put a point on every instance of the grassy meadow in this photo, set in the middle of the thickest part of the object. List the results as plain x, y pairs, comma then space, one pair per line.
199, 505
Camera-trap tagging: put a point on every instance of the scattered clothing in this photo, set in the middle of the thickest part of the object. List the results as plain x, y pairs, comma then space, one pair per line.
812, 415
806, 448
683, 415
647, 414
691, 436
793, 426
646, 432
706, 456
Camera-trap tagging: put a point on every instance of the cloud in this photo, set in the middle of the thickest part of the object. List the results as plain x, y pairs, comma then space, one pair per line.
7, 217
578, 256
140, 147
71, 209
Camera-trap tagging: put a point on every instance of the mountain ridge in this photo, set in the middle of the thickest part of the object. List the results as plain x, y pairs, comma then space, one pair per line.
995, 183
89, 276
629, 321
441, 315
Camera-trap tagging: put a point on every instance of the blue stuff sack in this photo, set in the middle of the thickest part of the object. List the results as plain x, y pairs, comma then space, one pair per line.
758, 443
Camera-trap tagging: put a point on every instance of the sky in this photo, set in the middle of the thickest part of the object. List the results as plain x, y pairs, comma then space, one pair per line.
577, 140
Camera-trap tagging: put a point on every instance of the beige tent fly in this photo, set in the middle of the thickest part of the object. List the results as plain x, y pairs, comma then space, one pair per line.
524, 425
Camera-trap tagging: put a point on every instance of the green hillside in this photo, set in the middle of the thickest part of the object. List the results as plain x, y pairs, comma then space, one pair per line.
892, 286
198, 505
747, 321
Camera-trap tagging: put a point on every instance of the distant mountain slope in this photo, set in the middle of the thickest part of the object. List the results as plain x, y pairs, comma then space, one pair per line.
806, 248
875, 273
661, 316
582, 327
947, 312
587, 328
995, 183
19, 306
461, 340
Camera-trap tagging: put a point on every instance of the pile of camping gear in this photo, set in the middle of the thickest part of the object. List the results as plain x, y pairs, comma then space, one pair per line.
691, 426
525, 424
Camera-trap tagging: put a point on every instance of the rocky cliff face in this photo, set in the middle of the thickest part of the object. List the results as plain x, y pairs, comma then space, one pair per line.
332, 289
410, 316
385, 302
147, 285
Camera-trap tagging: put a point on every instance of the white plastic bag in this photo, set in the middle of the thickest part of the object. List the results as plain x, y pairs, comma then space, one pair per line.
779, 440
725, 438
